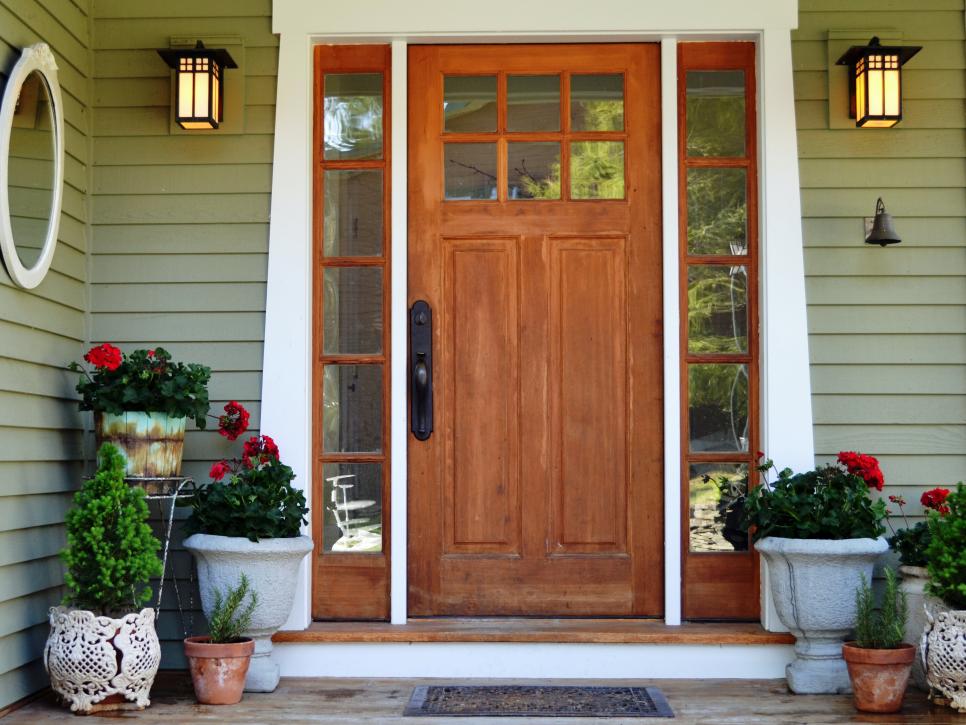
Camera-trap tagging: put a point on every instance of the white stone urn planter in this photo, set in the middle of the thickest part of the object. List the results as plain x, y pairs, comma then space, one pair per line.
272, 567
102, 663
943, 650
914, 581
813, 583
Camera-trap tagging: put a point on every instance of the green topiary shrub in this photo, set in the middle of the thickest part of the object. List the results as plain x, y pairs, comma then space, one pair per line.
946, 554
884, 627
111, 552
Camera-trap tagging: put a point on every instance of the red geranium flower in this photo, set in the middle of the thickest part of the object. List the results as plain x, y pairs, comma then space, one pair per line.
935, 499
106, 357
234, 422
258, 450
219, 470
863, 466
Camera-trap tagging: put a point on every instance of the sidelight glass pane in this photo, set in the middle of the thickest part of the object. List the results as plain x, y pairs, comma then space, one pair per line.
718, 406
533, 103
597, 102
469, 104
352, 213
716, 113
717, 211
353, 116
352, 409
470, 170
352, 311
597, 170
716, 492
352, 497
533, 170
717, 308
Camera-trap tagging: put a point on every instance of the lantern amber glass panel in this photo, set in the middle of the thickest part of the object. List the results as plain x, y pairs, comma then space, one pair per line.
199, 84
875, 83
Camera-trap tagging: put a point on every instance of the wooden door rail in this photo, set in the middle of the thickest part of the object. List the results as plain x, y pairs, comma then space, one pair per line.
590, 631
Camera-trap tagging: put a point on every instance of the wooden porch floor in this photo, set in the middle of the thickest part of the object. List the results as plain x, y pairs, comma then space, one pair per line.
343, 701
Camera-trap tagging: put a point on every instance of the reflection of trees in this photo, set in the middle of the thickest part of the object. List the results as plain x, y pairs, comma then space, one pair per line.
718, 397
716, 123
353, 125
716, 210
717, 313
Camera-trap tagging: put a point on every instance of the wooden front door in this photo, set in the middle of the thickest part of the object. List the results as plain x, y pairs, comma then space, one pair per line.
535, 238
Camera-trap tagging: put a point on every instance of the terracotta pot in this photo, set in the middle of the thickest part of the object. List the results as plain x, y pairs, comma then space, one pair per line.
218, 670
151, 443
879, 676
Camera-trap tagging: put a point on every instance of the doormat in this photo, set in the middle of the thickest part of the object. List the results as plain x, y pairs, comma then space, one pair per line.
537, 701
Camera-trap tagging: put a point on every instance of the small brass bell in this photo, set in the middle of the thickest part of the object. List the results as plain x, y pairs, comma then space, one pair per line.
883, 232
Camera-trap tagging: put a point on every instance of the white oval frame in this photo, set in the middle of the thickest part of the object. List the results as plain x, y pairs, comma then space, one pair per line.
37, 57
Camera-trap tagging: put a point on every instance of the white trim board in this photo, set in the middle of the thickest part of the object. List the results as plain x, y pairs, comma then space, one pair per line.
530, 659
286, 380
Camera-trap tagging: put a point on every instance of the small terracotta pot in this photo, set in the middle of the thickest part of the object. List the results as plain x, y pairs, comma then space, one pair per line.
218, 670
879, 676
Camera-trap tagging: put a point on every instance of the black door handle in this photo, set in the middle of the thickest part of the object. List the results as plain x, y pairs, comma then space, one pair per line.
421, 370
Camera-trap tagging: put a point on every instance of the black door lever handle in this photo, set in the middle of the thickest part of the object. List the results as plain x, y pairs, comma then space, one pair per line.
421, 371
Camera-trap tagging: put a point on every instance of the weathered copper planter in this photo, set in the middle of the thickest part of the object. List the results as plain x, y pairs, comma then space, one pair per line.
879, 676
152, 443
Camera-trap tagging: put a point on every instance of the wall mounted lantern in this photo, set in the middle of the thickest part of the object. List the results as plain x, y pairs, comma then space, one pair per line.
882, 231
200, 86
875, 82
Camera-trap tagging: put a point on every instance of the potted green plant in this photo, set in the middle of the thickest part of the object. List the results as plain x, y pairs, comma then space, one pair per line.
944, 639
879, 661
103, 649
818, 532
251, 522
219, 660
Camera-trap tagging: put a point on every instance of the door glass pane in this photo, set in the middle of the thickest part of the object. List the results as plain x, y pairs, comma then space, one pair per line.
717, 211
353, 116
718, 406
597, 102
717, 309
352, 223
597, 170
533, 170
352, 497
533, 103
352, 311
716, 113
469, 104
716, 492
352, 415
470, 170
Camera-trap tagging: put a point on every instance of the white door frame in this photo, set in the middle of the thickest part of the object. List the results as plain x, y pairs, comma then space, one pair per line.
287, 367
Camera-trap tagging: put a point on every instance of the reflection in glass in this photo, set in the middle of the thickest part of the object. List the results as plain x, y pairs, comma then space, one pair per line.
717, 211
352, 415
533, 170
717, 309
717, 495
533, 103
470, 170
597, 170
353, 116
352, 216
718, 406
30, 174
352, 497
469, 104
352, 310
597, 102
716, 113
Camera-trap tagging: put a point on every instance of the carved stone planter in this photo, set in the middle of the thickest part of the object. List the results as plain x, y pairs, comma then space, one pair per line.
94, 660
151, 443
813, 583
943, 651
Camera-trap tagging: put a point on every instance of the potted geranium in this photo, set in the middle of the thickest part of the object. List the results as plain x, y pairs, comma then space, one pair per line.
819, 533
944, 640
219, 660
879, 661
251, 522
911, 544
103, 649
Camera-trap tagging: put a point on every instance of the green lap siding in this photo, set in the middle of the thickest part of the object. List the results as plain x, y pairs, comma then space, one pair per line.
887, 327
42, 456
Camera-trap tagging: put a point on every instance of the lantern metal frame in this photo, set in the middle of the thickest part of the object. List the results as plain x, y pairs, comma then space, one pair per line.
862, 58
218, 59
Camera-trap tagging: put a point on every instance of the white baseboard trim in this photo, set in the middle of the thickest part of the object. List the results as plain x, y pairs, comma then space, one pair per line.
531, 660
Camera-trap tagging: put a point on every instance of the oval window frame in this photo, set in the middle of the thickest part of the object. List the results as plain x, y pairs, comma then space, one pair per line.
39, 58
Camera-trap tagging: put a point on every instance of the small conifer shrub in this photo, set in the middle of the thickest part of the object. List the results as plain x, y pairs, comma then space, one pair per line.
882, 627
229, 618
111, 552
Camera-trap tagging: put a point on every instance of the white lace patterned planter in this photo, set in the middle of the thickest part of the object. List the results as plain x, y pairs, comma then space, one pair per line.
89, 658
943, 652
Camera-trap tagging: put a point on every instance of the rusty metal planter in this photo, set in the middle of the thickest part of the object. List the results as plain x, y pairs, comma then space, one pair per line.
151, 443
